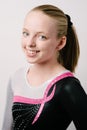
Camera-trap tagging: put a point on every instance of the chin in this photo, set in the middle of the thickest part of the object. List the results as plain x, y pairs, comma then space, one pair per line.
31, 61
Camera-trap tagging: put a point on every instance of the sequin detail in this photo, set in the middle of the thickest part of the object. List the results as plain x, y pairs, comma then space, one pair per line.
23, 114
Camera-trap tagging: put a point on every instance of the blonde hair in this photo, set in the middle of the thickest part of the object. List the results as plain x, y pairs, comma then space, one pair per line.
69, 55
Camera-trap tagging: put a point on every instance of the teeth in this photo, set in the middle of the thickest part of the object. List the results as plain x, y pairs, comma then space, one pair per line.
33, 51
30, 51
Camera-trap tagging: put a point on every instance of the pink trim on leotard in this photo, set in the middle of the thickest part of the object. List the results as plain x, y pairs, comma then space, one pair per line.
32, 101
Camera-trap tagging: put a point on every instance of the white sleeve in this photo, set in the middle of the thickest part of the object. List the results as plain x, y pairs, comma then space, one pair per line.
7, 120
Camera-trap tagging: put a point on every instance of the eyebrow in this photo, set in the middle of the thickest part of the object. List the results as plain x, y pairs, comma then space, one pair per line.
24, 29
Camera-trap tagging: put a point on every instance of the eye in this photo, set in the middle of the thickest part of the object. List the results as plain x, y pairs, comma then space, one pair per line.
42, 37
25, 34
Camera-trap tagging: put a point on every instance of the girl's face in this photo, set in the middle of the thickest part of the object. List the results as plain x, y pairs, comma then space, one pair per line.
39, 38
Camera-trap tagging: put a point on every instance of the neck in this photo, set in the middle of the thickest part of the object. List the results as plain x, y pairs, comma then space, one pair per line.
39, 73
46, 68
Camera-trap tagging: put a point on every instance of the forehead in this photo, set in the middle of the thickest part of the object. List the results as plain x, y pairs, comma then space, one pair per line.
40, 16
37, 19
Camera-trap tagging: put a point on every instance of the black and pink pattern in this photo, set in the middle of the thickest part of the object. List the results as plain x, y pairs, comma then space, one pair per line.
27, 111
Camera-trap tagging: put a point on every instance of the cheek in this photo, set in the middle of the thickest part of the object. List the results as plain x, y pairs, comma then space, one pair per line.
23, 45
48, 51
50, 47
46, 45
51, 50
23, 42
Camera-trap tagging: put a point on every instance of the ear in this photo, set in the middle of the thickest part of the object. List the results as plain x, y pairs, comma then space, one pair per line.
61, 43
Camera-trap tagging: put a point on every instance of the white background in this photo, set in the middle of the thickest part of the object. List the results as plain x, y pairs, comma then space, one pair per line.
12, 14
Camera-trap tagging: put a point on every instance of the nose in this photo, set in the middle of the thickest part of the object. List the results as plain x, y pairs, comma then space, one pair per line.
31, 42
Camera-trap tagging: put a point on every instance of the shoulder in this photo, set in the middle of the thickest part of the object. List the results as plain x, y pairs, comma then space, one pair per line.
71, 86
69, 82
18, 75
19, 72
71, 91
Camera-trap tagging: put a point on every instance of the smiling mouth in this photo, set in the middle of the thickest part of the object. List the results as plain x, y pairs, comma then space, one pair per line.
32, 52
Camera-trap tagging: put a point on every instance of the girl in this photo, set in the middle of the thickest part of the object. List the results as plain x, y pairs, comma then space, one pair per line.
46, 94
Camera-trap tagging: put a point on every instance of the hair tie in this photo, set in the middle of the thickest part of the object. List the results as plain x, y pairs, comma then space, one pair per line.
69, 21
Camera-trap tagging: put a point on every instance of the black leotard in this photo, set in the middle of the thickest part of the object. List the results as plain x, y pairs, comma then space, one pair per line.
65, 101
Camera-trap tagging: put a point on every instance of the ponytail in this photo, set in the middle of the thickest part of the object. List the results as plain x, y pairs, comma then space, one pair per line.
69, 55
